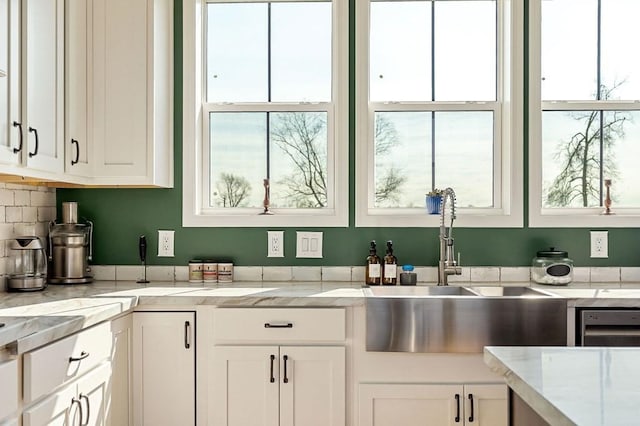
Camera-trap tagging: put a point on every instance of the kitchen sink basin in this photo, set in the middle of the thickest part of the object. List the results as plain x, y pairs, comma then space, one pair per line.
492, 291
444, 320
420, 291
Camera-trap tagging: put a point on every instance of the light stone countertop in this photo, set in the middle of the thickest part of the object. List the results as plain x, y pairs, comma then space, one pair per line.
61, 310
583, 386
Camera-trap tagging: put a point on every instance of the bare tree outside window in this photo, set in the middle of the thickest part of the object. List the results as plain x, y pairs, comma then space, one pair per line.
298, 134
232, 190
579, 178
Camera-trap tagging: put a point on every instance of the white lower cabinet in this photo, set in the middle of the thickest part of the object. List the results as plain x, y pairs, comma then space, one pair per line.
9, 388
278, 385
433, 404
83, 402
120, 413
163, 368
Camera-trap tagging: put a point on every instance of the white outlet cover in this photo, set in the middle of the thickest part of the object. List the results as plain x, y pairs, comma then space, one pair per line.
309, 244
275, 243
165, 243
599, 244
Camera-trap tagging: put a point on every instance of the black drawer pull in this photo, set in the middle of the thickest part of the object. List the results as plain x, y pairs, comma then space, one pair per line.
471, 404
285, 379
457, 419
35, 150
187, 335
82, 356
287, 325
19, 126
272, 379
75, 142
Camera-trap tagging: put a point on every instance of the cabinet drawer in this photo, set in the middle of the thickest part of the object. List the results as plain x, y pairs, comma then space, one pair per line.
278, 325
49, 367
8, 388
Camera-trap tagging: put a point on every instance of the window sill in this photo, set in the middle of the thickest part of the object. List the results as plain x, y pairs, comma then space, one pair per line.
475, 219
591, 218
256, 220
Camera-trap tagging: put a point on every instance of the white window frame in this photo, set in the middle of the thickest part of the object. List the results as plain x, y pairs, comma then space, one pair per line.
580, 217
195, 133
508, 116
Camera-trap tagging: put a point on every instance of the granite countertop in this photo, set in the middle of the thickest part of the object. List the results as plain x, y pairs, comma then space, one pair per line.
573, 385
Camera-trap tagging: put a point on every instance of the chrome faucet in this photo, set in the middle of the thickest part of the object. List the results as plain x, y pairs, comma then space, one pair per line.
447, 264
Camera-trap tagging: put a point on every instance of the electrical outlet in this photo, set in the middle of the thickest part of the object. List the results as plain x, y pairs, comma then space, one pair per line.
599, 244
275, 243
165, 243
309, 244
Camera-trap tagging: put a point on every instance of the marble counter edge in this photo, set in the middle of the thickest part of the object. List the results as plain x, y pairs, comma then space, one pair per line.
525, 391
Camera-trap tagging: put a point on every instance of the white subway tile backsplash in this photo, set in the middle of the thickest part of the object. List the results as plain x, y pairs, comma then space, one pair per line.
247, 273
160, 273
30, 214
43, 199
6, 197
129, 272
13, 214
22, 198
515, 274
46, 214
605, 274
336, 273
582, 274
357, 274
426, 274
485, 274
104, 272
182, 273
628, 274
306, 273
276, 273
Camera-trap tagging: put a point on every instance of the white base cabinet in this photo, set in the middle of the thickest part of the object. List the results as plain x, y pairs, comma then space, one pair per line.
278, 385
163, 368
120, 410
84, 402
426, 404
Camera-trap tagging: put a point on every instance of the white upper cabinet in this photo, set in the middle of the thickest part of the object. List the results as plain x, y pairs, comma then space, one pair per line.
10, 134
43, 108
77, 84
132, 92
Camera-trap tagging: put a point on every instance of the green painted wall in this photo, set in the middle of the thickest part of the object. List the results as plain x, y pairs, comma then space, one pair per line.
122, 215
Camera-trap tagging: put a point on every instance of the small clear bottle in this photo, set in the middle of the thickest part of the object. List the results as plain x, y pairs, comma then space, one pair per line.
390, 270
373, 272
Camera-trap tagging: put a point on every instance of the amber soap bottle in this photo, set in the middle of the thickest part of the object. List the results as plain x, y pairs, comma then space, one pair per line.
373, 272
390, 267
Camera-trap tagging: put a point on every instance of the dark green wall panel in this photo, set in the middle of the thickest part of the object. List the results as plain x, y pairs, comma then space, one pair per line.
122, 215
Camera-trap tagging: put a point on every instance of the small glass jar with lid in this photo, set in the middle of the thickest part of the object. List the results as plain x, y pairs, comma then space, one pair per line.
552, 267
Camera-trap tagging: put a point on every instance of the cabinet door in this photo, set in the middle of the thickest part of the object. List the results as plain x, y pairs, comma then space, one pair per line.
94, 392
243, 386
44, 84
10, 84
486, 405
314, 391
77, 84
59, 409
120, 413
164, 368
410, 405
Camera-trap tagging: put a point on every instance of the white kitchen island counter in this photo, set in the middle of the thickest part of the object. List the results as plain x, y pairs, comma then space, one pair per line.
573, 385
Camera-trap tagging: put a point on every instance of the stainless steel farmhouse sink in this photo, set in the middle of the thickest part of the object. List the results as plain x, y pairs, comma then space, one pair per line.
458, 319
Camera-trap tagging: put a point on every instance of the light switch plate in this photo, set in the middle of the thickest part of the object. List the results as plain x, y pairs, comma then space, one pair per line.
309, 244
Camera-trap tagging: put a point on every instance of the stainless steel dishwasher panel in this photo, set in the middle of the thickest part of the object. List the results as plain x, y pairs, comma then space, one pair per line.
463, 324
609, 327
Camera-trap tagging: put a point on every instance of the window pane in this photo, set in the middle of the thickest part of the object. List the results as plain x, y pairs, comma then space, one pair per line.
237, 52
571, 158
465, 50
464, 156
298, 159
569, 49
400, 51
301, 52
402, 158
621, 158
620, 34
238, 159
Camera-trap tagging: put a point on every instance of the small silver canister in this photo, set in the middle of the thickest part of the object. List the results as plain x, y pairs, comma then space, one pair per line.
70, 248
